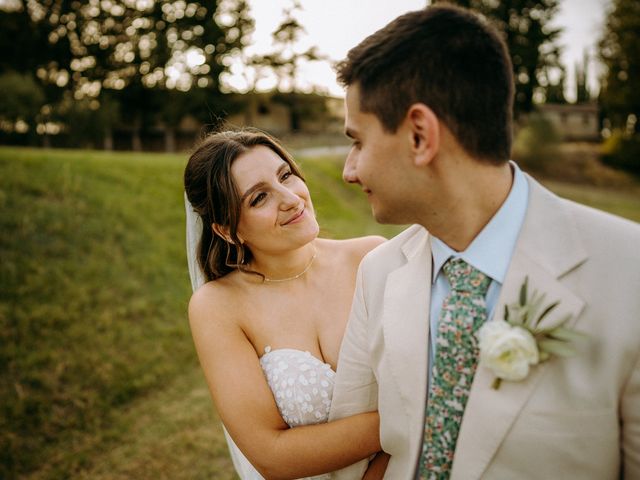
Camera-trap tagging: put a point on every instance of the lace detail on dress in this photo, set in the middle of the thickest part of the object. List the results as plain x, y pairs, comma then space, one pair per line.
302, 385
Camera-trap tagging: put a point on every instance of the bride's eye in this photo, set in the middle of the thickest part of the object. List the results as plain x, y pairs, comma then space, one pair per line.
257, 199
285, 175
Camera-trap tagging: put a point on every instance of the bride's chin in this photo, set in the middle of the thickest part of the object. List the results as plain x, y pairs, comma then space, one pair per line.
307, 234
315, 230
311, 236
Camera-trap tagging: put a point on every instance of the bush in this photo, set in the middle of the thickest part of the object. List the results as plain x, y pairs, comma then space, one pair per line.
622, 152
22, 99
536, 144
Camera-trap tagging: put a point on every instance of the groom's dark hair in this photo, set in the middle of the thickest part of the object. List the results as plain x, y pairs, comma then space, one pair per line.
451, 60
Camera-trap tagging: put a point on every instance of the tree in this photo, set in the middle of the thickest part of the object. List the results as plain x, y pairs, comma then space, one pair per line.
285, 61
619, 50
582, 90
21, 103
158, 47
620, 88
554, 91
530, 38
286, 58
27, 31
122, 54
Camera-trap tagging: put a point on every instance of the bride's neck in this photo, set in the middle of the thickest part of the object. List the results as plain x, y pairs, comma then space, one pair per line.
284, 265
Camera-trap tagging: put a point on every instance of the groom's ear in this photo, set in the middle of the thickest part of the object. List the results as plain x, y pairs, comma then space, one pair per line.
424, 128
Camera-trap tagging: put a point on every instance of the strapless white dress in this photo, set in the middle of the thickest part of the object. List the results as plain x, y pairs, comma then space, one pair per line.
302, 386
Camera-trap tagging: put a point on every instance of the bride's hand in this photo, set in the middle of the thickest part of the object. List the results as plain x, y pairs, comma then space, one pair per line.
377, 467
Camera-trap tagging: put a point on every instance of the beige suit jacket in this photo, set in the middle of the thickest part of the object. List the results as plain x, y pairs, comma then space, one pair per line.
571, 418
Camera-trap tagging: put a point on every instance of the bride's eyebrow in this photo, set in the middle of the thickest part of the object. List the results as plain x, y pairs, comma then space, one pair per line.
260, 185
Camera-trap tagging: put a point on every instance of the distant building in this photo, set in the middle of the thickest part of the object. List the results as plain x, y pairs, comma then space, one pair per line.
573, 122
260, 111
284, 113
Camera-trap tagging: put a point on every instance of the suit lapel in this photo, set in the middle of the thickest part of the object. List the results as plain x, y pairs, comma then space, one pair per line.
548, 247
405, 324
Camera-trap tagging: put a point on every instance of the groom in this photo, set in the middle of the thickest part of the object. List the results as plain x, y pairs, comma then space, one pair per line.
429, 101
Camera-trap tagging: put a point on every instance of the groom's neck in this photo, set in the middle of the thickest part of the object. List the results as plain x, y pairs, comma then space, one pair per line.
468, 193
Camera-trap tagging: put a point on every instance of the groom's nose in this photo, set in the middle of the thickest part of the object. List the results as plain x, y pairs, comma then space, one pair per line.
349, 171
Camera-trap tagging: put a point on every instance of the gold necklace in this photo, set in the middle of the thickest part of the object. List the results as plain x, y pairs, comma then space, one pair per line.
278, 280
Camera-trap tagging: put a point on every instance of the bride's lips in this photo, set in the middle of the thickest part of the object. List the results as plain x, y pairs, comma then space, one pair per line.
296, 218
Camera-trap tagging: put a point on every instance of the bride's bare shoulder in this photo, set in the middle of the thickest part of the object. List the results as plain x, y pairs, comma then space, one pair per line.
214, 302
354, 248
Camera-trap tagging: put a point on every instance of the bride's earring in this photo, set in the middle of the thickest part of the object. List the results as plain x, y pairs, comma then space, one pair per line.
227, 260
240, 255
209, 250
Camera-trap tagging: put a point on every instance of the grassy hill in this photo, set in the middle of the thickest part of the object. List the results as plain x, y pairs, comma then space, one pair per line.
93, 298
93, 314
98, 375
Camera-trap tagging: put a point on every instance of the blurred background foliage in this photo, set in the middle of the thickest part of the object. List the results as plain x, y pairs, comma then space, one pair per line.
537, 144
138, 74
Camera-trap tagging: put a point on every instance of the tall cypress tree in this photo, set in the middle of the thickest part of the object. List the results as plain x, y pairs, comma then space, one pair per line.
620, 52
526, 27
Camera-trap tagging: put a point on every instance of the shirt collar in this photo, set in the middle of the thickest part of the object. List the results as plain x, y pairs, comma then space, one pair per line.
491, 250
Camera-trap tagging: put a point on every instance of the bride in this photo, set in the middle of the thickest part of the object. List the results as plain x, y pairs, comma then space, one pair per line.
268, 322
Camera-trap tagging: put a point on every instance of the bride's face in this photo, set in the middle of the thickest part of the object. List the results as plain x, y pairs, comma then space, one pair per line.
276, 212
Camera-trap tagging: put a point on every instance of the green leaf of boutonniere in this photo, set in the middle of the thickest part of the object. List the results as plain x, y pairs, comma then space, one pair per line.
523, 292
567, 335
510, 346
556, 347
546, 312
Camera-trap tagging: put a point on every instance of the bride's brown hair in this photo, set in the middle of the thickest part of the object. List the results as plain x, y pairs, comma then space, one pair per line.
213, 194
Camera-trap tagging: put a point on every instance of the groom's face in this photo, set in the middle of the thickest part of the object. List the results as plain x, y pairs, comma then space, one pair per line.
377, 161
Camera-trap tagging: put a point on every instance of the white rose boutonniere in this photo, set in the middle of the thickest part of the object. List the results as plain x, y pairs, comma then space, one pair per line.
507, 350
509, 347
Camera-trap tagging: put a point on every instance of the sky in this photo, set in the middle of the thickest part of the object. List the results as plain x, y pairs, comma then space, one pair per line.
334, 26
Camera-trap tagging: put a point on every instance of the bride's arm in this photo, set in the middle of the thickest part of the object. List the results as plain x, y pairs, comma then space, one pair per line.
377, 467
249, 412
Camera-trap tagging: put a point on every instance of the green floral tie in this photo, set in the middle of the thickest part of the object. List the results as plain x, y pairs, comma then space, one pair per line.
463, 312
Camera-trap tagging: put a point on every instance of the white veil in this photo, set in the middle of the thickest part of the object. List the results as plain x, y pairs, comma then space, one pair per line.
194, 231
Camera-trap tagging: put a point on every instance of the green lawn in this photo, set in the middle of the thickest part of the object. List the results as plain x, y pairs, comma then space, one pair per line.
625, 202
98, 376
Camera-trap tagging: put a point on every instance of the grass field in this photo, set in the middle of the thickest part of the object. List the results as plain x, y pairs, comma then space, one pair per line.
98, 376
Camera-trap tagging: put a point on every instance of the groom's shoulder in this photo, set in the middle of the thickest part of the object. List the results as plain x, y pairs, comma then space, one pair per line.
393, 251
594, 227
408, 235
597, 226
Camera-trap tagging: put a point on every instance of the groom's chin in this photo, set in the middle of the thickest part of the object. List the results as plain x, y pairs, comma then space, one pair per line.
390, 216
384, 217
